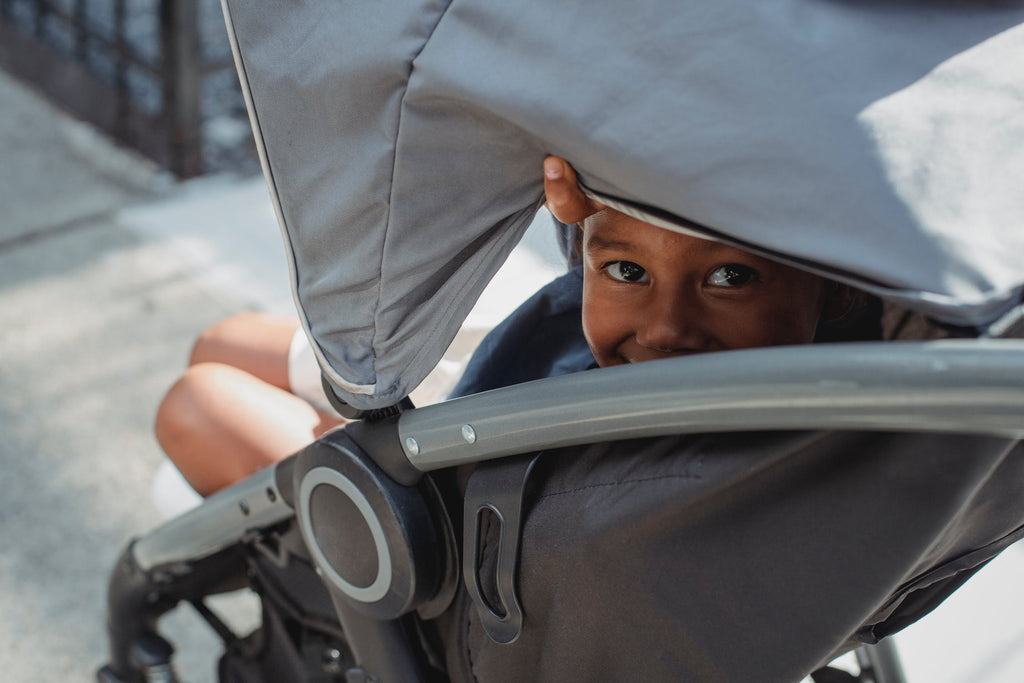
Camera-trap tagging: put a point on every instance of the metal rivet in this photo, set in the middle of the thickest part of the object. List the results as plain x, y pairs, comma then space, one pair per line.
412, 446
331, 661
468, 433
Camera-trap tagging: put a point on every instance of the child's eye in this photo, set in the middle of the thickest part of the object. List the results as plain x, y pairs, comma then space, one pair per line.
731, 275
627, 271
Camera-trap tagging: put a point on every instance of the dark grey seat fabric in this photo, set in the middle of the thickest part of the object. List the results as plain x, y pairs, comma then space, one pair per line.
740, 557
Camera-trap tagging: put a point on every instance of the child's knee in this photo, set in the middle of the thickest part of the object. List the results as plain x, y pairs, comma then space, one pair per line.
181, 415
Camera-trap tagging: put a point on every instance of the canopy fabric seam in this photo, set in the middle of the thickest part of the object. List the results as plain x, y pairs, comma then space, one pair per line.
391, 186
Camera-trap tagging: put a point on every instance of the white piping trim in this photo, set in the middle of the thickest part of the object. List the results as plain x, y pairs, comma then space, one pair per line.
275, 200
636, 213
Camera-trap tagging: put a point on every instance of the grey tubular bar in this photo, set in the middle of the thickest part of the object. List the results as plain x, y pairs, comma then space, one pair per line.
967, 386
222, 520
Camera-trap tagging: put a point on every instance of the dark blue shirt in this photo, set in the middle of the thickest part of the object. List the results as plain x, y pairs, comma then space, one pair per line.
541, 338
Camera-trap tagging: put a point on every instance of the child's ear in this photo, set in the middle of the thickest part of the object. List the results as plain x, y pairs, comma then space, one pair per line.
839, 301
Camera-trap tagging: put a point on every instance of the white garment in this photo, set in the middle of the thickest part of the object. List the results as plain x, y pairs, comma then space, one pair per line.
304, 374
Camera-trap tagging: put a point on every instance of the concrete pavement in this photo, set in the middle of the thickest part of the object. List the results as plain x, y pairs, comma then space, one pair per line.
108, 270
95, 322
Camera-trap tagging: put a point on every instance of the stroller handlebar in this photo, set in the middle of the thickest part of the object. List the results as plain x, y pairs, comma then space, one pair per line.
968, 386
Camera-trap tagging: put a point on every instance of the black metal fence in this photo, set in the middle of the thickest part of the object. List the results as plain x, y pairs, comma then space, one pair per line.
153, 74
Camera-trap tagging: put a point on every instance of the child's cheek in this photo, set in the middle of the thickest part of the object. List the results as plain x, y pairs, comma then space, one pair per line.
603, 324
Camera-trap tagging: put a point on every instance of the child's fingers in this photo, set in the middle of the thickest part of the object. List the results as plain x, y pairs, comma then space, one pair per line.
564, 198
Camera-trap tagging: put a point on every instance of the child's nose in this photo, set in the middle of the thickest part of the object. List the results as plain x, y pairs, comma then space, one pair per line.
670, 324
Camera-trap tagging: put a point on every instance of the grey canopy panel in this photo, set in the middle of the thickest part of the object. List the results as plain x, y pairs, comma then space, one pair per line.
880, 143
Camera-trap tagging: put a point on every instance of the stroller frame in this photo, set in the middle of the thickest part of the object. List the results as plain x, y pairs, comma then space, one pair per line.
373, 473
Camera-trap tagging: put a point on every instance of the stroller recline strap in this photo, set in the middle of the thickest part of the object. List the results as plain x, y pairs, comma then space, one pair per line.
494, 510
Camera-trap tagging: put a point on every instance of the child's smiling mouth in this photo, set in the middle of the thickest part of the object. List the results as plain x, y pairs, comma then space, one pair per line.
643, 354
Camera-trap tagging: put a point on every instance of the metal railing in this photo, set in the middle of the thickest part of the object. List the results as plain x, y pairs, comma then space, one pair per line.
133, 68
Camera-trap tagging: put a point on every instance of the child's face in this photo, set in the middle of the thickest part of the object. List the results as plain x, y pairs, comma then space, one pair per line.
652, 293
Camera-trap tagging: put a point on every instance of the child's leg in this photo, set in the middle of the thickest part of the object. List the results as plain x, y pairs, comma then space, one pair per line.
257, 343
219, 424
232, 412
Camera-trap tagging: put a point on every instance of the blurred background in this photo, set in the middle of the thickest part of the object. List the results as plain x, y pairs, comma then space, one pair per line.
133, 215
154, 75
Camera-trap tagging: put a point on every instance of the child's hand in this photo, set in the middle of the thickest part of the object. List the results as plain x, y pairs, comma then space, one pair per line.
563, 195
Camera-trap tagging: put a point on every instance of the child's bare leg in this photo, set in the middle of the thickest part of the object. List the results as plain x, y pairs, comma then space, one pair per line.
257, 343
219, 424
232, 412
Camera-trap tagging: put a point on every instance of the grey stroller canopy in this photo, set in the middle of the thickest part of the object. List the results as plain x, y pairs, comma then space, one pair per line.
880, 144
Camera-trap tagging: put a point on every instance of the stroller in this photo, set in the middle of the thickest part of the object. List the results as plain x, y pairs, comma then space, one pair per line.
739, 516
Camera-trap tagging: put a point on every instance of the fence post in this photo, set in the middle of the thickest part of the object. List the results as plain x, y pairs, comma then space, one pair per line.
182, 79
